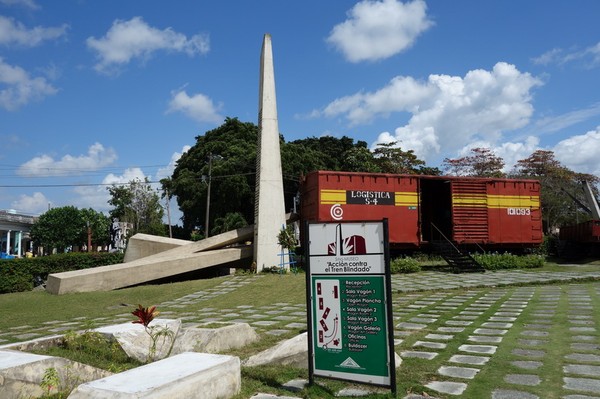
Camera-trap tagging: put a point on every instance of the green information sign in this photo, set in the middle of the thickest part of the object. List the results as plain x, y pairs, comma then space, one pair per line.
349, 314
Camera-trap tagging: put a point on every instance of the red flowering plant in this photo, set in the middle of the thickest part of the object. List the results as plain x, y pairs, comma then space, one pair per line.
144, 317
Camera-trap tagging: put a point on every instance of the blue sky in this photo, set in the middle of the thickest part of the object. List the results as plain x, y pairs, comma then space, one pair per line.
101, 92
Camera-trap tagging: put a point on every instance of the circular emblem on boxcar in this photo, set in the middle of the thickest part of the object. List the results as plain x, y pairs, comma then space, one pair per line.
336, 212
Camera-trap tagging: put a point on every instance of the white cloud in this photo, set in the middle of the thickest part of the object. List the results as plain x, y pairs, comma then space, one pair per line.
126, 40
560, 122
17, 88
168, 170
32, 5
14, 32
377, 30
35, 204
97, 157
589, 57
580, 153
448, 112
198, 107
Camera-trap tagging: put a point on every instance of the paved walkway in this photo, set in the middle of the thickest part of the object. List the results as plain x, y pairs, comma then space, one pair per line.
461, 336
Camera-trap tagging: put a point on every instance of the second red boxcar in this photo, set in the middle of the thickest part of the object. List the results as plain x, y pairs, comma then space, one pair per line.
492, 213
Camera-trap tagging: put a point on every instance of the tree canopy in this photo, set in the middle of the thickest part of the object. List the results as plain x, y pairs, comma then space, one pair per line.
137, 203
482, 163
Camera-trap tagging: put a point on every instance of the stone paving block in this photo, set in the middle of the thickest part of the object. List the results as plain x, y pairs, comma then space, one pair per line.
585, 347
532, 342
451, 329
496, 325
451, 388
430, 345
295, 385
579, 397
458, 372
582, 369
411, 326
582, 384
512, 394
353, 392
483, 349
422, 320
582, 322
264, 323
489, 331
534, 333
485, 339
418, 354
523, 379
509, 314
465, 317
277, 332
502, 318
439, 337
527, 364
468, 359
528, 352
582, 329
583, 357
458, 323
583, 338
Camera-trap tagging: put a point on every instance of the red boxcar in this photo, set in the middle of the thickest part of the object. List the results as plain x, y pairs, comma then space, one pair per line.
584, 232
492, 213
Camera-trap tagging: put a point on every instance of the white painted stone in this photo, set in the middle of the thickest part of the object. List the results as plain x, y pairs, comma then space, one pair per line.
136, 341
187, 375
21, 373
215, 340
292, 352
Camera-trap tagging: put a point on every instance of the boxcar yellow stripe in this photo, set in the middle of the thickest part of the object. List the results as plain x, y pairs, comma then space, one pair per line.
496, 201
406, 199
330, 197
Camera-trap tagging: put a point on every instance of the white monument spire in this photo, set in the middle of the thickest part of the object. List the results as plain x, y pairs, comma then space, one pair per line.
269, 211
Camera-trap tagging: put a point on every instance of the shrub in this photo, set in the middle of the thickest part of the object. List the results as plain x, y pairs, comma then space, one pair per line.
18, 275
496, 261
404, 265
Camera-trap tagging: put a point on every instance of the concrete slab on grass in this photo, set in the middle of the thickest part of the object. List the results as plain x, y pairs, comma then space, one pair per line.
187, 375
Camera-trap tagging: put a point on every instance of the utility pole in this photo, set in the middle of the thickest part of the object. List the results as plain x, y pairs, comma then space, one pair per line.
169, 214
208, 195
89, 237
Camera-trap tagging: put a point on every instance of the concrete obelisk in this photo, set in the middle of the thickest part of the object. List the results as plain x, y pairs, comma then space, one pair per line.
269, 211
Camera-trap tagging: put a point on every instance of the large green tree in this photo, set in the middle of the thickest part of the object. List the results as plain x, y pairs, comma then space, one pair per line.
64, 227
391, 158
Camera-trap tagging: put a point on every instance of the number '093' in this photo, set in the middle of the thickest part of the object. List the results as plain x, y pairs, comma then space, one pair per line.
518, 211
